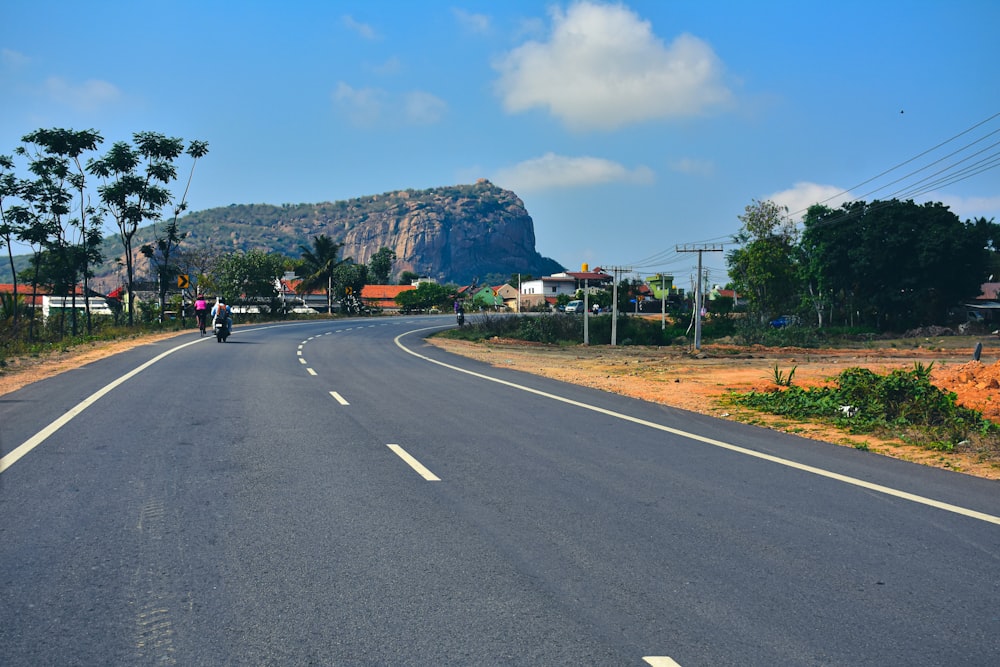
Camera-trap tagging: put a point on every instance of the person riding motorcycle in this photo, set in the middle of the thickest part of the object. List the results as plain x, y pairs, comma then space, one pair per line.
220, 311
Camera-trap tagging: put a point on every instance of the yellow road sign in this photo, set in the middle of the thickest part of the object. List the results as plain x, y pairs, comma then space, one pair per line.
182, 281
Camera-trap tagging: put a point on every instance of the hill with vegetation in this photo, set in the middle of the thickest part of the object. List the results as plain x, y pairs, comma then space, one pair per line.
453, 233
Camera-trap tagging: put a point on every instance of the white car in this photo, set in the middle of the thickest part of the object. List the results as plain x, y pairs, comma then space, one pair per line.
574, 307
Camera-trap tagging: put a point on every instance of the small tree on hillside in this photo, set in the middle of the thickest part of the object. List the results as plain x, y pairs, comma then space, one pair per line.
380, 266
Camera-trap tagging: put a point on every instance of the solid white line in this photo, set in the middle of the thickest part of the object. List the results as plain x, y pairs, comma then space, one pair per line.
339, 398
310, 371
15, 454
660, 661
415, 464
887, 490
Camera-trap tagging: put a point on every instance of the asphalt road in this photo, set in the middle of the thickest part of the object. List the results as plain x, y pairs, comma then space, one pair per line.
342, 493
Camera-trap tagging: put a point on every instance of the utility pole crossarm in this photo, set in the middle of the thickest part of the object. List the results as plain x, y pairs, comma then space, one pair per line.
700, 249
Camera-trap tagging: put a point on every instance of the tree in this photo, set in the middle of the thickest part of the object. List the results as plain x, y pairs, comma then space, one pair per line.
57, 154
380, 266
407, 277
250, 277
134, 190
159, 254
765, 267
427, 295
896, 264
349, 279
8, 223
318, 266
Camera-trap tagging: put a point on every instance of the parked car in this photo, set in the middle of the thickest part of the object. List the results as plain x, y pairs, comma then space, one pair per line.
785, 321
574, 307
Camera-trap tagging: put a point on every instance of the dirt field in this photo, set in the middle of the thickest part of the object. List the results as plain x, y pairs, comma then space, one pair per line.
672, 376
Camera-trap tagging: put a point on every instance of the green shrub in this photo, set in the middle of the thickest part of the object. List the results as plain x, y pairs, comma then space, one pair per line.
903, 403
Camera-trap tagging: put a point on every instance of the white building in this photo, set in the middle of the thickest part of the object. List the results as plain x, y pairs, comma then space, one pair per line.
98, 305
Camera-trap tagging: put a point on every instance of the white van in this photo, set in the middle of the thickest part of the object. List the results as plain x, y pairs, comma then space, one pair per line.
574, 307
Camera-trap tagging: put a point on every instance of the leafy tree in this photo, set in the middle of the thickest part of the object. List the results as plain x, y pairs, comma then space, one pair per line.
380, 266
765, 267
160, 252
318, 266
57, 156
407, 277
159, 256
250, 277
9, 187
135, 186
349, 279
896, 264
427, 295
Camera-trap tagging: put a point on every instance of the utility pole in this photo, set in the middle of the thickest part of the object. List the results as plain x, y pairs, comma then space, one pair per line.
663, 302
714, 247
617, 271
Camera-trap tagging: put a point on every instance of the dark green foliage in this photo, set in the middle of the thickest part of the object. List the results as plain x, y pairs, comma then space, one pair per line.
894, 265
900, 404
427, 295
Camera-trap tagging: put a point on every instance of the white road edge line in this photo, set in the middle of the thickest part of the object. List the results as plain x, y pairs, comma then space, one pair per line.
15, 454
846, 479
415, 464
339, 398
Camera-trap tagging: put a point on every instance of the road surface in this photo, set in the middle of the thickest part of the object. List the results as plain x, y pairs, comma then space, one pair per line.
341, 493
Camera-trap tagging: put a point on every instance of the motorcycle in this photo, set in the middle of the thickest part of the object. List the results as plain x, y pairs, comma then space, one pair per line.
221, 329
460, 318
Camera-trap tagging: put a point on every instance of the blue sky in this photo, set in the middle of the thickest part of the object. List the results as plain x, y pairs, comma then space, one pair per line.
626, 128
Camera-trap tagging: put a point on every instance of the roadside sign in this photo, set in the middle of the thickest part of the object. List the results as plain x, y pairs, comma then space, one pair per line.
182, 281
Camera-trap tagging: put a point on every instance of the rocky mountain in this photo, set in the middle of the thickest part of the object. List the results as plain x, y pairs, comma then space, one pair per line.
454, 233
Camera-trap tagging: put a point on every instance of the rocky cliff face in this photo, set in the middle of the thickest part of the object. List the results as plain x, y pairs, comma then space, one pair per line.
456, 233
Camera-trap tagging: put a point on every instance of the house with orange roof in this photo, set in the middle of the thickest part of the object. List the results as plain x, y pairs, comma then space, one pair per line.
383, 296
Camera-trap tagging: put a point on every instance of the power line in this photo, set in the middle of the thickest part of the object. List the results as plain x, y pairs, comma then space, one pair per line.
906, 162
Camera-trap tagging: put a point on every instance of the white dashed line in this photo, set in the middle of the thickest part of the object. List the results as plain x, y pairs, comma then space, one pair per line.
660, 661
415, 464
339, 398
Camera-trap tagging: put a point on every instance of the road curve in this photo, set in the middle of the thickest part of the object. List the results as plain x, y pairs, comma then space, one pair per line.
341, 493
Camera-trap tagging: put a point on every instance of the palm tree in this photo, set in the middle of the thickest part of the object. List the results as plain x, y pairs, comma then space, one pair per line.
318, 266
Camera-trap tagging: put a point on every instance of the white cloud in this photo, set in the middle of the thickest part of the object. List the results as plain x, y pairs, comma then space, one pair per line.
694, 166
363, 106
968, 208
13, 59
422, 108
391, 66
475, 23
553, 171
363, 29
368, 107
87, 96
603, 67
802, 195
